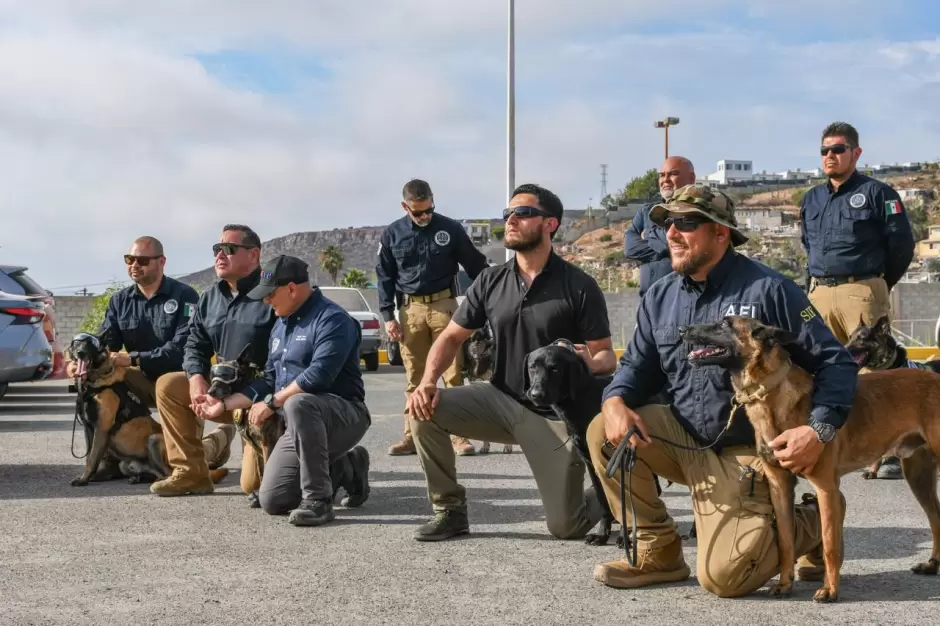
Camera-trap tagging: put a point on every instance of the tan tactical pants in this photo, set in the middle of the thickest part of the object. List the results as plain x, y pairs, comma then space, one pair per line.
842, 306
737, 545
481, 411
186, 448
421, 325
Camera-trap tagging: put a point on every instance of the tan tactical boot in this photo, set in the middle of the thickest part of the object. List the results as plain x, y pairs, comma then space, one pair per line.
404, 447
657, 565
462, 446
178, 484
810, 566
218, 445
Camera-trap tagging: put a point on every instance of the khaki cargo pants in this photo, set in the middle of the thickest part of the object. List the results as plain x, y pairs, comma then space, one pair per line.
842, 306
737, 545
481, 411
186, 448
421, 324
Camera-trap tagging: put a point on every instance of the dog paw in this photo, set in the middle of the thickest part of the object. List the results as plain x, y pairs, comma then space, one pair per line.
78, 482
868, 474
824, 594
485, 447
620, 542
930, 568
507, 449
596, 539
134, 480
780, 590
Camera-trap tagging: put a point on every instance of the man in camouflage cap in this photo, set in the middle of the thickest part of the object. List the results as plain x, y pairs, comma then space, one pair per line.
710, 280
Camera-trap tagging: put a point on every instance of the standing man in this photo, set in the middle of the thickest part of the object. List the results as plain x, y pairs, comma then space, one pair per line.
150, 320
418, 258
314, 381
225, 321
529, 302
645, 241
859, 242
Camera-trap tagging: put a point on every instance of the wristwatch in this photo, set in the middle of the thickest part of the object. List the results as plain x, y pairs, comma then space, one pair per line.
824, 432
269, 402
135, 358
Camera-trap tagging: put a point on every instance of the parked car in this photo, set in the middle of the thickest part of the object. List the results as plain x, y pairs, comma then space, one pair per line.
25, 353
14, 280
392, 347
355, 304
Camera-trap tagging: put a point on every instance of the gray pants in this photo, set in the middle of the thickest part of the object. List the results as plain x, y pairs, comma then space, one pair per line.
483, 412
319, 429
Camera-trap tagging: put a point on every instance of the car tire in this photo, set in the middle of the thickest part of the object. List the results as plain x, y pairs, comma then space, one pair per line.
372, 361
394, 353
3, 389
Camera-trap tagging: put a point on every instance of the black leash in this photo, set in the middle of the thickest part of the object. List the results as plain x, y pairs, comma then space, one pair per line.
80, 417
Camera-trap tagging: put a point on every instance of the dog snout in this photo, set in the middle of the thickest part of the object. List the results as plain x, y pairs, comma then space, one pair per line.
683, 330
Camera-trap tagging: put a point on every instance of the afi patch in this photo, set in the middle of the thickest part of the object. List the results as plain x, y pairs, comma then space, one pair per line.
744, 310
893, 207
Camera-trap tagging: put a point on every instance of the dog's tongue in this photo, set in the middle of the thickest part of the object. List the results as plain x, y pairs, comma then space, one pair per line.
82, 369
860, 358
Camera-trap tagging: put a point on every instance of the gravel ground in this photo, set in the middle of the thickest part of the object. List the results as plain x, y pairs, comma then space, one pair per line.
113, 553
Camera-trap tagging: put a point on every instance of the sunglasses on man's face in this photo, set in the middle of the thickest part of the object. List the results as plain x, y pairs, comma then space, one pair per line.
142, 261
228, 248
686, 223
836, 148
524, 212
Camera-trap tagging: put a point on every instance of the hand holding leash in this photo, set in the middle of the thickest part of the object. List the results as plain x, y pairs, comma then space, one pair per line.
259, 413
622, 423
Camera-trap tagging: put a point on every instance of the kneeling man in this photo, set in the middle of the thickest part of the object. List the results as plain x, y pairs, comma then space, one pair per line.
312, 378
730, 496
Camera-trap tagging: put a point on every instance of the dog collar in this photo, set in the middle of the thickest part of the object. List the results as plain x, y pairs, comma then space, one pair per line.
756, 393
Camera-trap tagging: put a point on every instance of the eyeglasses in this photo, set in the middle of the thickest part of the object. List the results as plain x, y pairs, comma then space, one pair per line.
525, 211
836, 148
686, 223
426, 211
228, 248
143, 261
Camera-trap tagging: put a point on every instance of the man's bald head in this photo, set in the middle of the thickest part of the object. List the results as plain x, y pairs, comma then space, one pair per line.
676, 172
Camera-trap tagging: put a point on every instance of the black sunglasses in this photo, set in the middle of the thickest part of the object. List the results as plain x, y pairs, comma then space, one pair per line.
426, 211
228, 248
836, 148
686, 223
525, 211
143, 261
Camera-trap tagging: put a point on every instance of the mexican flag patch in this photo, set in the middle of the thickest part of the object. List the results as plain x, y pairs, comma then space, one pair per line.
893, 207
187, 310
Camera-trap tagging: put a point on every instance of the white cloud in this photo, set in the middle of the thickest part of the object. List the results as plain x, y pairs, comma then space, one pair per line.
110, 128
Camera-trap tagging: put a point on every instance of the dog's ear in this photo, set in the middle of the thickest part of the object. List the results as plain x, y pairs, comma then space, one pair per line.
773, 336
525, 373
883, 325
245, 355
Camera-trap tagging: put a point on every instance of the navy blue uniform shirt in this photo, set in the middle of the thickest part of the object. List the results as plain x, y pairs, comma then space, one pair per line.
652, 251
318, 347
155, 330
656, 357
225, 323
860, 230
419, 261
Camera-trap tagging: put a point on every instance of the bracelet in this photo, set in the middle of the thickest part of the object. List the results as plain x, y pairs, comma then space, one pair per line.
224, 408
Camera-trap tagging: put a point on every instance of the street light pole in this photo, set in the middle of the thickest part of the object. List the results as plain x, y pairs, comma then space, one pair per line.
511, 110
666, 123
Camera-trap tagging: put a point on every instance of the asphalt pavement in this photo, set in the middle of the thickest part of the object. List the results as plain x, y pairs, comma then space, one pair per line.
114, 553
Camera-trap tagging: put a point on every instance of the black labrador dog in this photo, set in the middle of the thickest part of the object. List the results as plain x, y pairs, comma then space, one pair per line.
557, 377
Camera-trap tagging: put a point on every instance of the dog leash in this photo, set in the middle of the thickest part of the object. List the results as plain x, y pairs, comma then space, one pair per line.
79, 417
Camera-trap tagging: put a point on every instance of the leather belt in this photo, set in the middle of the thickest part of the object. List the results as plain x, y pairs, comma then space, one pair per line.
835, 281
427, 299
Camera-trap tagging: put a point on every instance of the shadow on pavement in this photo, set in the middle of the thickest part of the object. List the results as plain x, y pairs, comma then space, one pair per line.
36, 409
27, 426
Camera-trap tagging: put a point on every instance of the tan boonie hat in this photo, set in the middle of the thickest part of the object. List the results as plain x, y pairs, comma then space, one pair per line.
701, 199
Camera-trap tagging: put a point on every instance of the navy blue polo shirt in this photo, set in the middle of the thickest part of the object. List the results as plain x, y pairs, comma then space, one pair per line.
859, 230
155, 330
656, 357
317, 347
421, 260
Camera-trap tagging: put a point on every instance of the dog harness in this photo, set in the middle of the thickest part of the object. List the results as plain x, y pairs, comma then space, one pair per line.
129, 407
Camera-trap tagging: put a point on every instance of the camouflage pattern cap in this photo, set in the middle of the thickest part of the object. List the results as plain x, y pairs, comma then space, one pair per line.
701, 199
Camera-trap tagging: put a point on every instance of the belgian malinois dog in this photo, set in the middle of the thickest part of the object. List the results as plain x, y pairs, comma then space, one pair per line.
894, 410
121, 437
876, 348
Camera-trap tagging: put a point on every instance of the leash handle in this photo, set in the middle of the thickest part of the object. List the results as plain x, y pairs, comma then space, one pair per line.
623, 459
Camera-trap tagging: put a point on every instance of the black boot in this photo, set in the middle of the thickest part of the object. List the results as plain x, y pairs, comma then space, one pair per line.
312, 513
357, 487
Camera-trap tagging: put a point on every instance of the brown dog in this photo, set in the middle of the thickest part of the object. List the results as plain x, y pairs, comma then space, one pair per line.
894, 411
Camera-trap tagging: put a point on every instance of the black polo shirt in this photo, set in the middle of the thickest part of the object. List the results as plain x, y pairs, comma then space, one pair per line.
563, 303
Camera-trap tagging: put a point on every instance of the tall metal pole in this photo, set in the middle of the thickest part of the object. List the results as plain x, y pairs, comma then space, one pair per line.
511, 110
667, 141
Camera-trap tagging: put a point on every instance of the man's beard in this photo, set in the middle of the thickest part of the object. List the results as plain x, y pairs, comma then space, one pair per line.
692, 262
524, 244
667, 193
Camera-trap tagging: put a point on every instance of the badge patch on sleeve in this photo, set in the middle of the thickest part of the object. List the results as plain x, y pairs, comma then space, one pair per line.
893, 207
808, 313
187, 310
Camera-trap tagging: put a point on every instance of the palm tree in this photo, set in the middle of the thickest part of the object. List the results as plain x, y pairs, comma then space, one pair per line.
331, 261
355, 277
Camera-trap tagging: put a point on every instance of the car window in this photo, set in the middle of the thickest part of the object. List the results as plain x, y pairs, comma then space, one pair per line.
350, 300
27, 284
9, 285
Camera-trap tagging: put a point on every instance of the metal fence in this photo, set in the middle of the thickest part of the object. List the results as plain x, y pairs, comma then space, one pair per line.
915, 332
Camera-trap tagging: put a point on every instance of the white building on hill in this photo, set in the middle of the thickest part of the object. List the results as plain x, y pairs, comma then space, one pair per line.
729, 170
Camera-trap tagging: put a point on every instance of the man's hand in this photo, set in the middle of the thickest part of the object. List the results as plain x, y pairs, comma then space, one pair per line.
121, 359
618, 419
423, 401
197, 391
393, 329
210, 408
259, 413
797, 449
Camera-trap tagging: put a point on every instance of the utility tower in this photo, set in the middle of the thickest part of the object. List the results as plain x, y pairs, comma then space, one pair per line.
603, 181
